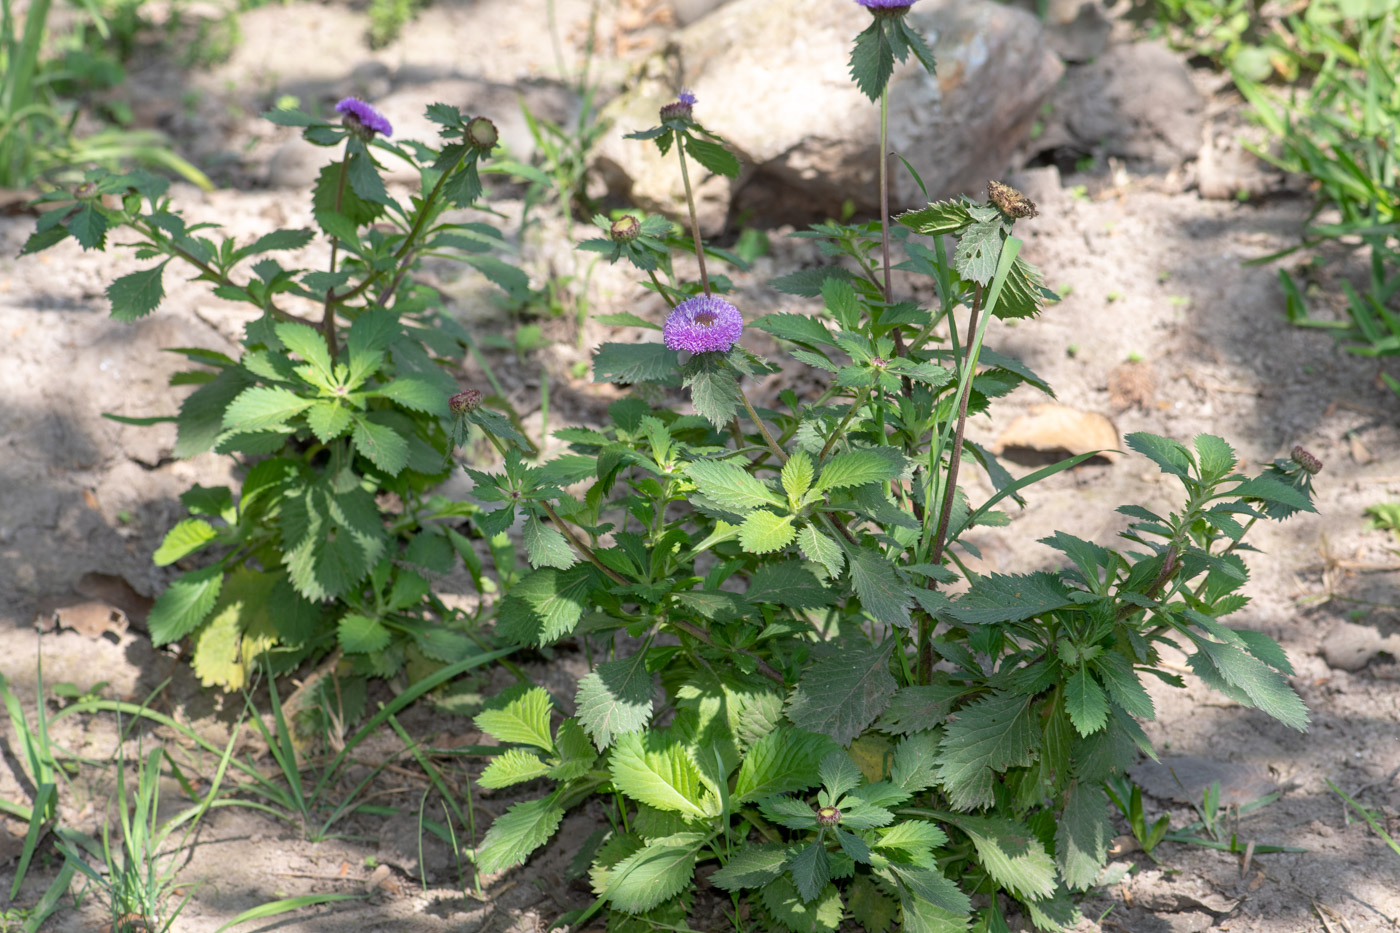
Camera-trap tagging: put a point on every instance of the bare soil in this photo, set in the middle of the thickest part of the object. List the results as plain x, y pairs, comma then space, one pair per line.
1161, 329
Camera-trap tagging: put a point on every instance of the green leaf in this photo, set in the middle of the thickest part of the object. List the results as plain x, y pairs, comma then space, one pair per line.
615, 699
330, 540
1215, 457
514, 766
811, 871
713, 156
843, 694
931, 886
915, 766
797, 475
1272, 490
798, 328
185, 604
872, 60
184, 539
636, 362
1000, 598
137, 294
880, 590
263, 407
979, 249
362, 635
1085, 702
546, 547
652, 770
858, 467
821, 549
784, 760
788, 584
871, 908
785, 811
763, 532
839, 774
808, 283
990, 735
919, 916
516, 833
306, 342
938, 219
1264, 686
660, 870
327, 420
89, 227
916, 837
1171, 456
385, 447
1082, 836
730, 486
787, 907
576, 754
752, 866
1123, 684
1012, 855
546, 605
713, 389
625, 318
415, 394
519, 716
919, 707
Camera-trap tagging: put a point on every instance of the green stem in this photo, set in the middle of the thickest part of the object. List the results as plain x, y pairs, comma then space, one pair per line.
694, 221
328, 312
897, 331
763, 428
855, 406
660, 289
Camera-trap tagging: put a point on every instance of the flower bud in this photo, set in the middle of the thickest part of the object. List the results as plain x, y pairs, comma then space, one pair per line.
463, 402
482, 134
887, 7
828, 816
362, 119
625, 229
1309, 464
681, 108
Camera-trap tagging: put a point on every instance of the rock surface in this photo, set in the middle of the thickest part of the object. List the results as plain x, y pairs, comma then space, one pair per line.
796, 119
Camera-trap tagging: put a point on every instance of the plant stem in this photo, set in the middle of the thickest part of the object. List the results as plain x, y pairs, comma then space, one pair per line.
694, 221
660, 290
896, 331
950, 488
328, 313
855, 406
763, 429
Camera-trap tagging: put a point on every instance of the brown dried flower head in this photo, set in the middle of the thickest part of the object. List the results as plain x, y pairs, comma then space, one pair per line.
1011, 202
463, 402
1310, 464
482, 134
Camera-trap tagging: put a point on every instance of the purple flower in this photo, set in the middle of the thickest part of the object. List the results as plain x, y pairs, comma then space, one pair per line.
686, 96
363, 119
681, 107
885, 4
703, 324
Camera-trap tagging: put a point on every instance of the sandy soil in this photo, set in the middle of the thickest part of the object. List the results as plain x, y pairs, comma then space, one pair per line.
1161, 329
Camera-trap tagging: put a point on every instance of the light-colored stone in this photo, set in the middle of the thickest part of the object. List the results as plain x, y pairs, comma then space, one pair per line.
773, 78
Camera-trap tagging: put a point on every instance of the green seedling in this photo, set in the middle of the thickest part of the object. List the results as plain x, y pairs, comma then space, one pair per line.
1368, 816
1127, 797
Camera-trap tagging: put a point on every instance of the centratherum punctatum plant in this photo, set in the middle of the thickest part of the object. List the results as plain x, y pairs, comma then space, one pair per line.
337, 409
840, 736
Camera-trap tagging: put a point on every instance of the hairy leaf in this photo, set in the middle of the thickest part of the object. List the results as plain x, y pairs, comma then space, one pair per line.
659, 772
660, 870
615, 699
514, 766
519, 716
516, 833
1081, 840
842, 695
784, 760
990, 735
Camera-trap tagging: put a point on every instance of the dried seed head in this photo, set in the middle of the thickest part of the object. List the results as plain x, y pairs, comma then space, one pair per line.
1010, 202
1310, 464
482, 134
463, 402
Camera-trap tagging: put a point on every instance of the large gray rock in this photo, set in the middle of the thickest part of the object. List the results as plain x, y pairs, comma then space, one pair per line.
772, 77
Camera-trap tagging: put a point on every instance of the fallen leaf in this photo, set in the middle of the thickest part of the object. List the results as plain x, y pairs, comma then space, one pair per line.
1059, 427
1359, 453
113, 589
90, 500
91, 618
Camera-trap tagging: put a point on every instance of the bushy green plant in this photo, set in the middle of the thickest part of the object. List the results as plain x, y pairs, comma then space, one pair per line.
854, 724
343, 423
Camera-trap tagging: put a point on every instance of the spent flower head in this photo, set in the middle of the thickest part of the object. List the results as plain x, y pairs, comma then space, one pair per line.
465, 401
1309, 464
703, 324
680, 108
482, 134
362, 119
625, 229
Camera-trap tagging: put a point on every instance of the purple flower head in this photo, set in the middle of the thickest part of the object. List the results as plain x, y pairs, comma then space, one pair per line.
681, 107
888, 5
703, 324
362, 119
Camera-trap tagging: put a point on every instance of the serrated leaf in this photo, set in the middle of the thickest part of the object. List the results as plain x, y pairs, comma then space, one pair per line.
1083, 835
979, 248
821, 549
763, 532
1168, 454
516, 833
784, 760
514, 766
881, 592
1274, 491
519, 717
137, 294
839, 774
785, 811
798, 328
661, 869
807, 283
327, 420
990, 735
916, 837
872, 60
713, 389
361, 635
1123, 685
381, 445
1264, 686
615, 699
919, 916
858, 467
915, 766
263, 407
185, 604
546, 546
931, 886
546, 605
1085, 702
730, 486
999, 598
843, 694
811, 871
1215, 457
575, 752
788, 584
822, 915
752, 866
636, 362
797, 475
919, 707
184, 539
713, 156
330, 540
415, 394
660, 773
1012, 855
88, 226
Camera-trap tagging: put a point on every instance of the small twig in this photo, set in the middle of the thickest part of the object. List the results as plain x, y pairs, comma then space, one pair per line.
763, 429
